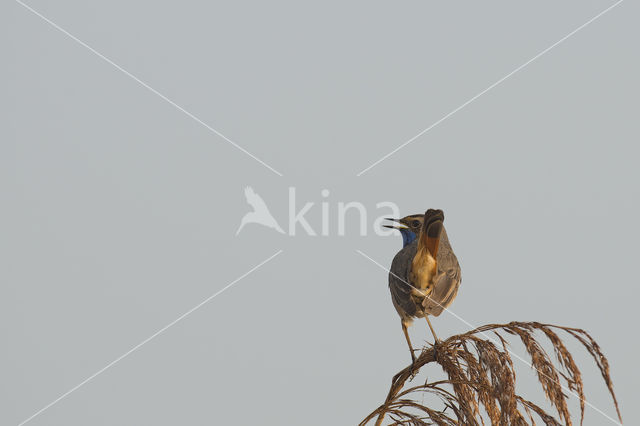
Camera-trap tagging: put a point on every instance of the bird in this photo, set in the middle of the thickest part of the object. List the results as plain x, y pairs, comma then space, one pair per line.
260, 213
425, 274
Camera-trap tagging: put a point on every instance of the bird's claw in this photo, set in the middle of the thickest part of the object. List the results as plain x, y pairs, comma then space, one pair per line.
435, 345
412, 367
412, 370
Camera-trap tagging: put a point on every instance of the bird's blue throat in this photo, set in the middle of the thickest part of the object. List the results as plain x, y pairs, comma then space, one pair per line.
408, 236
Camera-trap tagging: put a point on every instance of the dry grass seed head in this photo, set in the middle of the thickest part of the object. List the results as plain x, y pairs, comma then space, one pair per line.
481, 379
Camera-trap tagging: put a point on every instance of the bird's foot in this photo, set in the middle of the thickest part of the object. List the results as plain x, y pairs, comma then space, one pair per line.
435, 345
412, 368
413, 371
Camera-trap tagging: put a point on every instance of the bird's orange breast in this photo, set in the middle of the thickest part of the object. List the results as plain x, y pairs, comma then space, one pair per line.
423, 269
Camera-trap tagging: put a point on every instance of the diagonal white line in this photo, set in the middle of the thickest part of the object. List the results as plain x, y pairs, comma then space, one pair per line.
142, 83
468, 324
145, 341
489, 88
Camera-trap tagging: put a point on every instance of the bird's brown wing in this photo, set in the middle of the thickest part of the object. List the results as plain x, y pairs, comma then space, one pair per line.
447, 282
399, 279
444, 291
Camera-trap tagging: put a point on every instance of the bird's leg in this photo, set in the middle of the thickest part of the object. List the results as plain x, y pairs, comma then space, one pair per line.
406, 335
431, 328
411, 350
435, 338
413, 357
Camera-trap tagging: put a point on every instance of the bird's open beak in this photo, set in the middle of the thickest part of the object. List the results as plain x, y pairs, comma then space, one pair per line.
399, 221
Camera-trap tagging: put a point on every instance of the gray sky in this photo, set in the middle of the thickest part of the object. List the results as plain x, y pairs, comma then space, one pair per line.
119, 210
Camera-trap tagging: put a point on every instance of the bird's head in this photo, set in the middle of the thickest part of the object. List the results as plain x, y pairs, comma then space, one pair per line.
409, 227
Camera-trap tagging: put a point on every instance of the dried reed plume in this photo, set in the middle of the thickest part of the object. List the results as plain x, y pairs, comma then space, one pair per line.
481, 380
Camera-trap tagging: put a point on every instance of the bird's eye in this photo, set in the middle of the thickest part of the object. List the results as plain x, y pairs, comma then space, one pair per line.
416, 224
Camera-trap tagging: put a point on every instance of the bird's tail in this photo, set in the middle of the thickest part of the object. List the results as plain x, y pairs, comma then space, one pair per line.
431, 230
